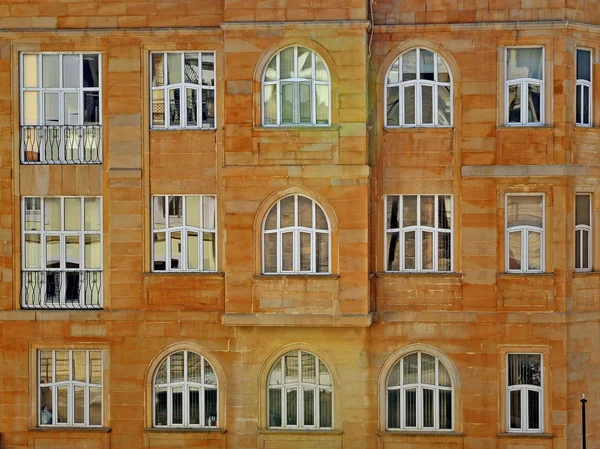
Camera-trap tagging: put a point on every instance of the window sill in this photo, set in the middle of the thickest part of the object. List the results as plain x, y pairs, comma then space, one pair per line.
433, 433
433, 274
215, 274
299, 432
70, 429
577, 274
418, 129
525, 435
206, 130
276, 128
172, 430
526, 274
279, 276
516, 126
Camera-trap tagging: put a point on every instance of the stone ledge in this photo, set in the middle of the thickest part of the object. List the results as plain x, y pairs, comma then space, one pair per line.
429, 275
70, 429
292, 128
301, 320
420, 130
295, 276
186, 430
184, 274
502, 171
299, 432
417, 433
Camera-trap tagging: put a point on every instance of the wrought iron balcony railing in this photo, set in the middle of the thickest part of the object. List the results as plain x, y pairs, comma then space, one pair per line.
67, 289
61, 144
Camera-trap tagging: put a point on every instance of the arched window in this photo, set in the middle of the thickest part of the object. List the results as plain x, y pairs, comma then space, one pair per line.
418, 90
300, 392
296, 89
185, 392
296, 237
419, 394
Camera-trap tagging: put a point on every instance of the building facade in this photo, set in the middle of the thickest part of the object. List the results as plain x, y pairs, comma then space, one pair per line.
291, 225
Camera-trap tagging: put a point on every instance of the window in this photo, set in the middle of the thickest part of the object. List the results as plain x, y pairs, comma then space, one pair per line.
296, 237
183, 90
418, 91
296, 89
583, 232
418, 232
185, 392
419, 394
62, 252
70, 388
525, 233
61, 108
300, 392
524, 86
184, 233
583, 108
525, 392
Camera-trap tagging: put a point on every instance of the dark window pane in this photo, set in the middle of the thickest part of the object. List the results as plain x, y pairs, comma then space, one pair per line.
325, 409
533, 399
410, 407
515, 409
393, 109
583, 65
91, 71
309, 407
194, 406
210, 407
160, 407
428, 408
394, 409
292, 407
275, 407
445, 409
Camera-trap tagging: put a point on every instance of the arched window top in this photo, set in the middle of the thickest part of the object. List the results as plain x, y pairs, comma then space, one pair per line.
418, 90
300, 392
420, 394
185, 391
296, 237
296, 89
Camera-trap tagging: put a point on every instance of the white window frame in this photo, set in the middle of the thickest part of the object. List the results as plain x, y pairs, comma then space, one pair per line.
418, 230
296, 230
184, 230
182, 86
580, 86
525, 230
418, 83
581, 229
60, 91
296, 82
524, 83
524, 388
62, 234
300, 387
185, 385
418, 387
71, 384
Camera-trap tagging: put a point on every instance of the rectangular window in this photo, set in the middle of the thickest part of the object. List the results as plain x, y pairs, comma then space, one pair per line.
182, 90
583, 106
184, 234
583, 232
61, 108
525, 393
61, 252
70, 388
525, 233
418, 232
524, 86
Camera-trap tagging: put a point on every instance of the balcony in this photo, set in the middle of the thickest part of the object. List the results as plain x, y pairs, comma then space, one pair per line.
61, 144
66, 289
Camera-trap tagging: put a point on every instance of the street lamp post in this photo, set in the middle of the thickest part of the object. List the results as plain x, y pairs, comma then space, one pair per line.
583, 401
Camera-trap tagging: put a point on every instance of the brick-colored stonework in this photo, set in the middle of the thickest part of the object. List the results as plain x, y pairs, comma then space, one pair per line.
359, 316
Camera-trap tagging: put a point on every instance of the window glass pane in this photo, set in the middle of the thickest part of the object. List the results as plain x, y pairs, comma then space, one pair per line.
271, 220
409, 105
392, 211
158, 212
287, 212
305, 103
158, 70
50, 70
45, 367
409, 250
394, 409
409, 210
525, 210
177, 405
443, 72
291, 367
534, 102
175, 211
586, 105
582, 209
304, 212
410, 365
275, 374
271, 71
79, 366
394, 74
270, 104
51, 113
309, 407
305, 251
584, 69
174, 107
177, 367
515, 409
71, 117
208, 108
426, 64
409, 65
30, 71
585, 243
192, 210
578, 261
71, 71
320, 70
427, 369
160, 406
534, 251
208, 69
33, 249
428, 408
514, 103
325, 408
393, 110
176, 250
174, 68
192, 107
194, 405
309, 368
322, 247
158, 107
210, 407
46, 405
321, 218
394, 376
190, 68
158, 251
524, 369
62, 400
209, 212
96, 367
514, 250
270, 252
287, 103
91, 108
210, 378
427, 105
578, 98
72, 214
524, 63
443, 376
286, 63
193, 258
322, 104
274, 407
52, 251
209, 249
33, 214
444, 251
427, 250
427, 210
79, 405
393, 251
444, 106
304, 63
91, 72
410, 408
445, 409
324, 375
292, 407
445, 212
533, 408
194, 363
31, 108
161, 373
